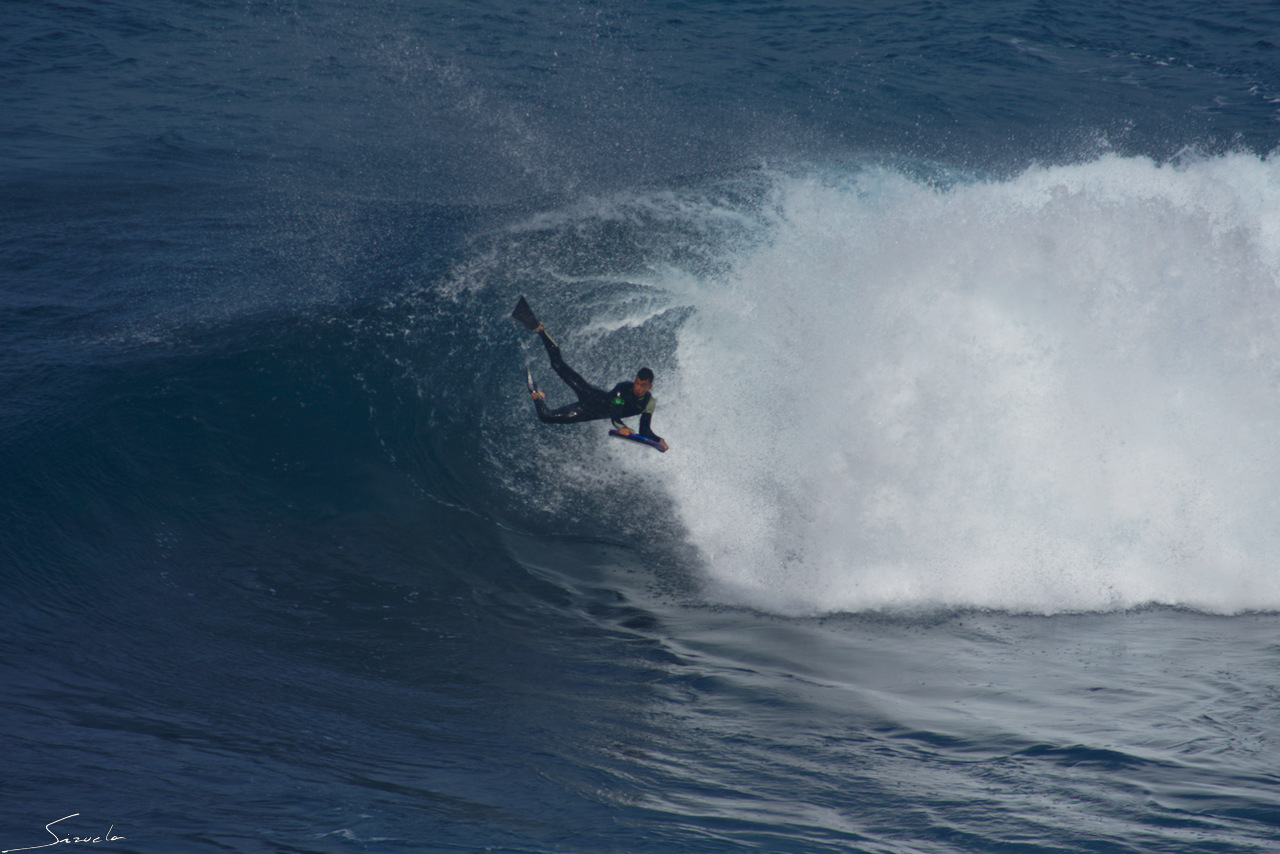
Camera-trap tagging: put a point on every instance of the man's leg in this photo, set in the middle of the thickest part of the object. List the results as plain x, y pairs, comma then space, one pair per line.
583, 389
564, 415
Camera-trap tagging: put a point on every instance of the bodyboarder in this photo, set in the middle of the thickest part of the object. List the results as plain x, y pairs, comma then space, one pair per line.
626, 399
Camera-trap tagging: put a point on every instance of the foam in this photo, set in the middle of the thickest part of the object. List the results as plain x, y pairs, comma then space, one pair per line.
1056, 392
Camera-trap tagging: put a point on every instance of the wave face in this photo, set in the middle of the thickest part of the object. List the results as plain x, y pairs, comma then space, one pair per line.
1056, 392
893, 386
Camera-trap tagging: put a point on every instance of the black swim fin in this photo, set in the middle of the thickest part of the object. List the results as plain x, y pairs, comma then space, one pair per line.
524, 316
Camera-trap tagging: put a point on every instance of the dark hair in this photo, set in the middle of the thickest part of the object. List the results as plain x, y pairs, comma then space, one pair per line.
645, 374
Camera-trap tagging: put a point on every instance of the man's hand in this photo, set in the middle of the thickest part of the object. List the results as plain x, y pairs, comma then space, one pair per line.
663, 444
624, 431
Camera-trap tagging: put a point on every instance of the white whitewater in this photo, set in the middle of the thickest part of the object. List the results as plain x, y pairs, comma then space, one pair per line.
1057, 392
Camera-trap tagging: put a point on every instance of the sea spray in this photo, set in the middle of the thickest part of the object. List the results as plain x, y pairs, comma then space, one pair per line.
1056, 392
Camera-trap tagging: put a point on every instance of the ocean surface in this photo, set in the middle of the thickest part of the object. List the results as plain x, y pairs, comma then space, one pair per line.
966, 325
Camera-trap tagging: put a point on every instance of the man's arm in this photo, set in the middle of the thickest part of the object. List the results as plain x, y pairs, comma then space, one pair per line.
645, 418
645, 430
617, 407
646, 415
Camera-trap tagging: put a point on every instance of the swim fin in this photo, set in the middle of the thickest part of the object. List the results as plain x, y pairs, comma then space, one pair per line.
524, 316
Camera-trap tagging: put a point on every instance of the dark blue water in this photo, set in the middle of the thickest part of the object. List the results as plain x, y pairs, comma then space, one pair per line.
966, 329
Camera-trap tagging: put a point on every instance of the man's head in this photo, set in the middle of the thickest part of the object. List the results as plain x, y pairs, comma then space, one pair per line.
643, 382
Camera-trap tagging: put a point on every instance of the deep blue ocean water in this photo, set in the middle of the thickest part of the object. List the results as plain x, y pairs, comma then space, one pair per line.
966, 327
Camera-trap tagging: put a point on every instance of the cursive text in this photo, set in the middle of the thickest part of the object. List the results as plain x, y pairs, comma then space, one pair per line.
67, 840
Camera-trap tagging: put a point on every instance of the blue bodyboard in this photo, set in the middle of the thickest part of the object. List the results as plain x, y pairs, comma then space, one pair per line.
636, 437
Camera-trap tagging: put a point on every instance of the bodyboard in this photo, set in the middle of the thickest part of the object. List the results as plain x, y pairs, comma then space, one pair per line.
636, 437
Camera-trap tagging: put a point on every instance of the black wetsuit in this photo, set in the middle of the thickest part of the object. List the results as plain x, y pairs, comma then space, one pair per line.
594, 403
